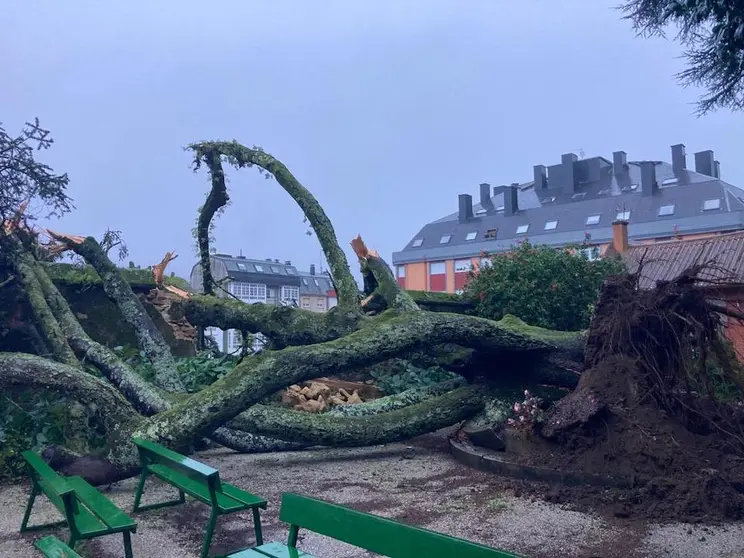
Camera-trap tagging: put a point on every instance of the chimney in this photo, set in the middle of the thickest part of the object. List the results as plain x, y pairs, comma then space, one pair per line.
705, 163
466, 208
540, 176
620, 236
717, 169
312, 269
485, 197
648, 178
679, 159
619, 163
511, 203
567, 162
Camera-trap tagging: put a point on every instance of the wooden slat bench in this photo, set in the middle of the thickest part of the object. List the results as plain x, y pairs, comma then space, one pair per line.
87, 512
52, 547
376, 534
199, 481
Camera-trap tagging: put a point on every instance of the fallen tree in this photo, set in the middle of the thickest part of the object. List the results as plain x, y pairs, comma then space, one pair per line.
305, 345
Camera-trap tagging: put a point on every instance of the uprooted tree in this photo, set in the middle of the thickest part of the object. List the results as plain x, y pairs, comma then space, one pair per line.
366, 328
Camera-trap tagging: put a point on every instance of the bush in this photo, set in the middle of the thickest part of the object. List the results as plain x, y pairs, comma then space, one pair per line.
544, 286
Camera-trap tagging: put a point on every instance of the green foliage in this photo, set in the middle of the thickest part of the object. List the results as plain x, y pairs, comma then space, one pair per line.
544, 286
712, 32
204, 369
398, 375
33, 420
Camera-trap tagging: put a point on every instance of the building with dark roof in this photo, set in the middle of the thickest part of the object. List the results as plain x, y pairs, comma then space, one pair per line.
574, 202
265, 282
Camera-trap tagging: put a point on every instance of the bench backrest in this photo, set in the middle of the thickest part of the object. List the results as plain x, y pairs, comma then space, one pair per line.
151, 453
53, 485
377, 534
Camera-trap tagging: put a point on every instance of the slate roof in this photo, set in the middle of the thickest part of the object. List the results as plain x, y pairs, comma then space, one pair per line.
275, 273
666, 260
607, 195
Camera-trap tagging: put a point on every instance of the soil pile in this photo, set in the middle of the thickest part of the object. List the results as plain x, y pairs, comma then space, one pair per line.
647, 408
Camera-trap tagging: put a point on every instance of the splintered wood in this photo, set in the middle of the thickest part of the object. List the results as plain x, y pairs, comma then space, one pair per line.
158, 270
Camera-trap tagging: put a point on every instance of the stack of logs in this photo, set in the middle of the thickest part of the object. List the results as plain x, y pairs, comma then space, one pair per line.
320, 395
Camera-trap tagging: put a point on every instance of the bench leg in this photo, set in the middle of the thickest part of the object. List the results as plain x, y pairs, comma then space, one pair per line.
141, 489
257, 526
210, 531
128, 545
29, 506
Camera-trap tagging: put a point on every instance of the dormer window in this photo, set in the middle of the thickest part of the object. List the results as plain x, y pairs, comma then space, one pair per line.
551, 225
490, 233
522, 229
665, 210
258, 267
418, 242
445, 239
592, 220
471, 235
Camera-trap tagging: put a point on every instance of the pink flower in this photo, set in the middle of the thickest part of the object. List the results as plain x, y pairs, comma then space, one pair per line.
517, 407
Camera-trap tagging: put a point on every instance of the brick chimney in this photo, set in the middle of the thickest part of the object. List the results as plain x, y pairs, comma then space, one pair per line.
619, 237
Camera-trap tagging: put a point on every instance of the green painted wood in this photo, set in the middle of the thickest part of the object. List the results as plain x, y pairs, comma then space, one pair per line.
42, 471
52, 547
377, 534
248, 553
185, 465
279, 550
225, 502
114, 518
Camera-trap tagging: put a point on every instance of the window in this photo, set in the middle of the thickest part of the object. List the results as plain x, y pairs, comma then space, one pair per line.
591, 253
592, 220
669, 181
500, 208
304, 281
306, 303
275, 269
709, 205
490, 233
484, 263
437, 268
241, 266
522, 229
249, 292
316, 282
551, 225
463, 266
634, 187
666, 210
290, 293
235, 339
623, 216
258, 267
551, 199
471, 236
578, 195
320, 303
445, 239
418, 242
401, 271
291, 271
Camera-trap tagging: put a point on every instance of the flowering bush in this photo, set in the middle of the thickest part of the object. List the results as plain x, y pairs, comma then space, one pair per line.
527, 414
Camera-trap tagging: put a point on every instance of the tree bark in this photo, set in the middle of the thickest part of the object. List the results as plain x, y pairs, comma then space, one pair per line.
240, 156
353, 431
150, 339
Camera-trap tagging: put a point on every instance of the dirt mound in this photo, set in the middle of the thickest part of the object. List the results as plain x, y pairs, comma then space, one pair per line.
645, 408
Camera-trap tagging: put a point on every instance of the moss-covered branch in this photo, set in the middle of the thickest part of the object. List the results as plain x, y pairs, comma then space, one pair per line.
50, 329
241, 156
387, 285
387, 337
143, 396
284, 325
150, 339
216, 200
21, 370
401, 424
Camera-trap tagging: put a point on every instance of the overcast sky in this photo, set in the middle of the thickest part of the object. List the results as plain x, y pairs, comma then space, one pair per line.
386, 110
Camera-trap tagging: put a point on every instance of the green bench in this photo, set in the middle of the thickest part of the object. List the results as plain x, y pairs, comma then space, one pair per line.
376, 534
198, 481
87, 512
52, 547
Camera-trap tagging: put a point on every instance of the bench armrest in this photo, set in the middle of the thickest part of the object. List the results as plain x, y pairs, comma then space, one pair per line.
43, 471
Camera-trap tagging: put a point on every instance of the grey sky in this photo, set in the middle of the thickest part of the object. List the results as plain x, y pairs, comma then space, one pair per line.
385, 110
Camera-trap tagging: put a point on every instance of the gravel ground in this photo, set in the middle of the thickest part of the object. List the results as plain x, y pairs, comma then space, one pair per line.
421, 486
